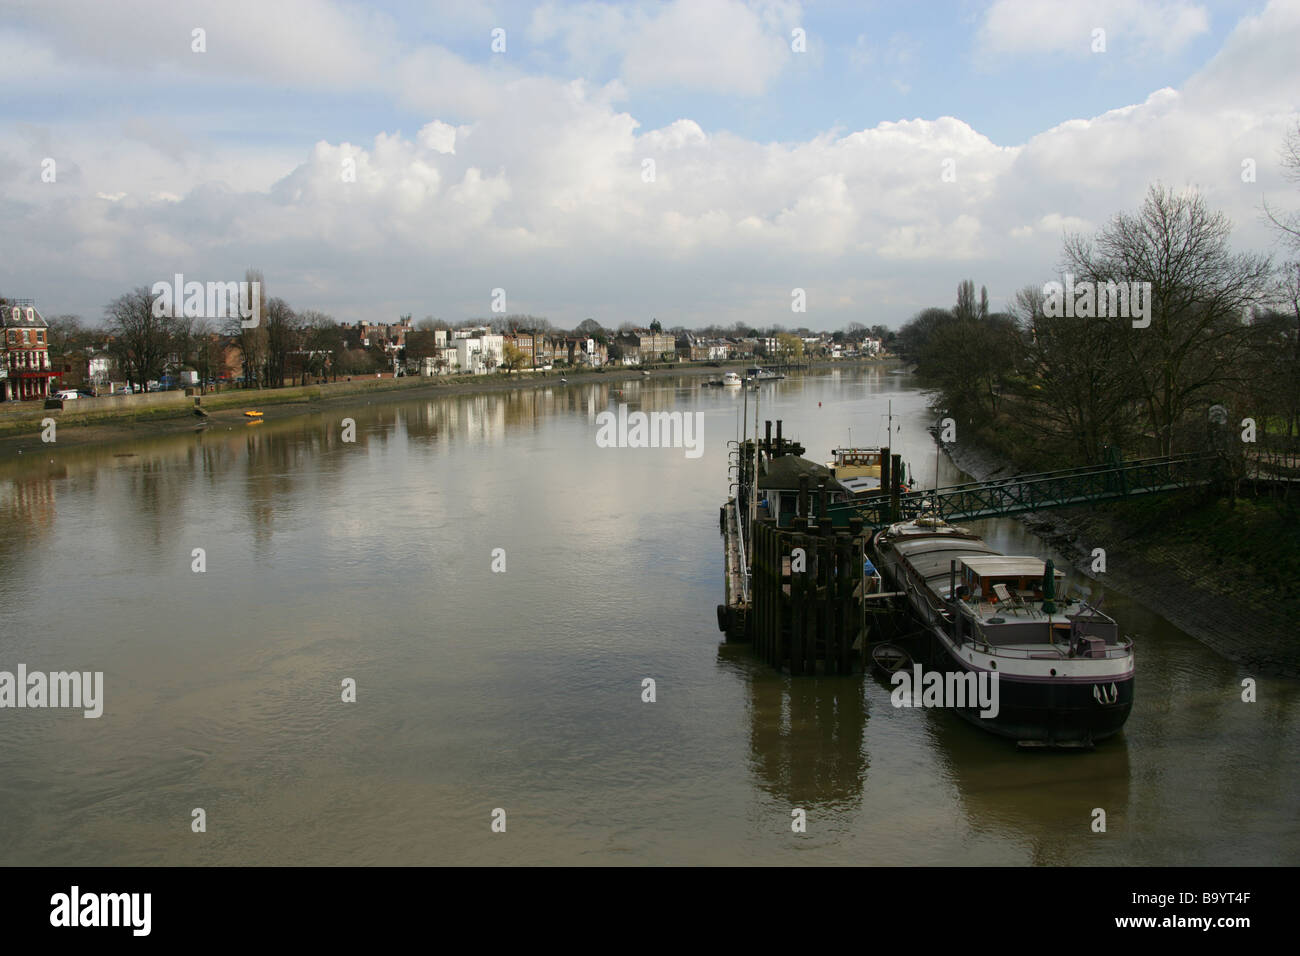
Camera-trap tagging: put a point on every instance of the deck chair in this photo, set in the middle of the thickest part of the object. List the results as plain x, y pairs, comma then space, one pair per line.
1009, 598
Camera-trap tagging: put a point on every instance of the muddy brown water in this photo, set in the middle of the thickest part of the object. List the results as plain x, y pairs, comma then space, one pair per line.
477, 690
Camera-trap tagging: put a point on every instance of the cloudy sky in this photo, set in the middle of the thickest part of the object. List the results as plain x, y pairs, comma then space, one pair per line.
374, 159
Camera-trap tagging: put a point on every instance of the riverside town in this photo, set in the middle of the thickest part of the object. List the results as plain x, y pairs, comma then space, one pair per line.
658, 433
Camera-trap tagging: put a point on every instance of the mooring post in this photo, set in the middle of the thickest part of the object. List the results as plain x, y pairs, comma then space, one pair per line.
780, 443
803, 497
798, 579
847, 566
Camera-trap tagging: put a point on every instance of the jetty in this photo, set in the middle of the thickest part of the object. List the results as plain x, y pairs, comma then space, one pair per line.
801, 582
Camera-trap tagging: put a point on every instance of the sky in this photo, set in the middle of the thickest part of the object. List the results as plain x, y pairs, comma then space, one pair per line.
692, 161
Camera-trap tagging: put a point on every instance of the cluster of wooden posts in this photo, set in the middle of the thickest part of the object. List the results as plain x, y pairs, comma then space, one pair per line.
806, 595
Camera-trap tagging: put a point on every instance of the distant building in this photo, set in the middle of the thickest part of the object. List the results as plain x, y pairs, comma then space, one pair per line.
85, 368
25, 371
390, 336
480, 353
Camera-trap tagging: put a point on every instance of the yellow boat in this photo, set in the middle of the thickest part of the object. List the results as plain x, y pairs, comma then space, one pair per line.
253, 414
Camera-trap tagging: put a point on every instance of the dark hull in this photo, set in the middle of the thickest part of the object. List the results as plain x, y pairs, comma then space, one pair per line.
1050, 713
1037, 711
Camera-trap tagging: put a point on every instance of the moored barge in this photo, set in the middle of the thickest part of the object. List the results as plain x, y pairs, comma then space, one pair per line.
1064, 675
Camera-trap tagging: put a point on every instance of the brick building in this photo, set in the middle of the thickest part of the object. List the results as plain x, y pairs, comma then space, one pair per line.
25, 371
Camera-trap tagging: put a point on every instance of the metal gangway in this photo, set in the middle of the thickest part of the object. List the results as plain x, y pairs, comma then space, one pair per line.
997, 497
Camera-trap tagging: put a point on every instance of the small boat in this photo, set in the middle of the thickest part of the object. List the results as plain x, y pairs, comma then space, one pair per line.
731, 379
253, 414
890, 658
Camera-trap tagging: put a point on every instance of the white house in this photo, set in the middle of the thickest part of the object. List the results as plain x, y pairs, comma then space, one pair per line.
475, 355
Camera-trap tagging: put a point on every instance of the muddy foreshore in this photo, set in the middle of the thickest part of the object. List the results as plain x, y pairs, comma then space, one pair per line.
1179, 584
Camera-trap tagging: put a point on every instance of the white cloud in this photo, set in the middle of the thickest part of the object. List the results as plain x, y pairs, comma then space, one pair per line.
1135, 27
723, 46
534, 184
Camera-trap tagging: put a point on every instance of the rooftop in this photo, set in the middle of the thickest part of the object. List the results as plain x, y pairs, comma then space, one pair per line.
1007, 565
21, 314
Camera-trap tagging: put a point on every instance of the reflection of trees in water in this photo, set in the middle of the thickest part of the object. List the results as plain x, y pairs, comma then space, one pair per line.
806, 737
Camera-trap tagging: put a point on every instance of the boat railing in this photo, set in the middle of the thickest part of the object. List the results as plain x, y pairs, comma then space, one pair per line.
1045, 651
743, 566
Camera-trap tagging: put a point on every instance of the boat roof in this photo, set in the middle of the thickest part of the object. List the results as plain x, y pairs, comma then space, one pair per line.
783, 474
1007, 565
931, 557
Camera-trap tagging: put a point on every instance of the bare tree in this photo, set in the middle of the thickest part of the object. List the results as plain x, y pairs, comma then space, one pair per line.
251, 341
1080, 392
141, 337
282, 338
1289, 223
1201, 293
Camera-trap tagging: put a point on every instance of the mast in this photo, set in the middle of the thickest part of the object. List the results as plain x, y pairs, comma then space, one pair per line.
753, 494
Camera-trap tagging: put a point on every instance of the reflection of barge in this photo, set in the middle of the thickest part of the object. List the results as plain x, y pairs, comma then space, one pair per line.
1064, 676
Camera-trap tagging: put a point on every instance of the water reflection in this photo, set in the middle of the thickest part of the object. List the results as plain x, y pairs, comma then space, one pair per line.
806, 736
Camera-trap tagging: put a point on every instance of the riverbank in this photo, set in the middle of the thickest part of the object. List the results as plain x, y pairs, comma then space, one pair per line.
20, 429
1217, 572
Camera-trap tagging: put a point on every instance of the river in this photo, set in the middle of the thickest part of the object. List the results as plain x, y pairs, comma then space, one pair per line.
478, 689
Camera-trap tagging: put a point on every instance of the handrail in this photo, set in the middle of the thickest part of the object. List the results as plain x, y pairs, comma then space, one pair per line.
740, 541
1001, 496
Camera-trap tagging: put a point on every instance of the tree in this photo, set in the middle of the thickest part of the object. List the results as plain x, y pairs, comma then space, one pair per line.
282, 338
1201, 293
966, 307
251, 341
914, 333
789, 348
514, 358
323, 340
1288, 224
64, 333
1079, 393
141, 337
655, 326
420, 345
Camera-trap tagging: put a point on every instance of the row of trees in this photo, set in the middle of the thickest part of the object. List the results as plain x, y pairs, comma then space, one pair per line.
289, 345
1224, 329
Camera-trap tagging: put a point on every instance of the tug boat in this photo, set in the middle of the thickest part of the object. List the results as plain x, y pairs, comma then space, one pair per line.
857, 469
1065, 677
